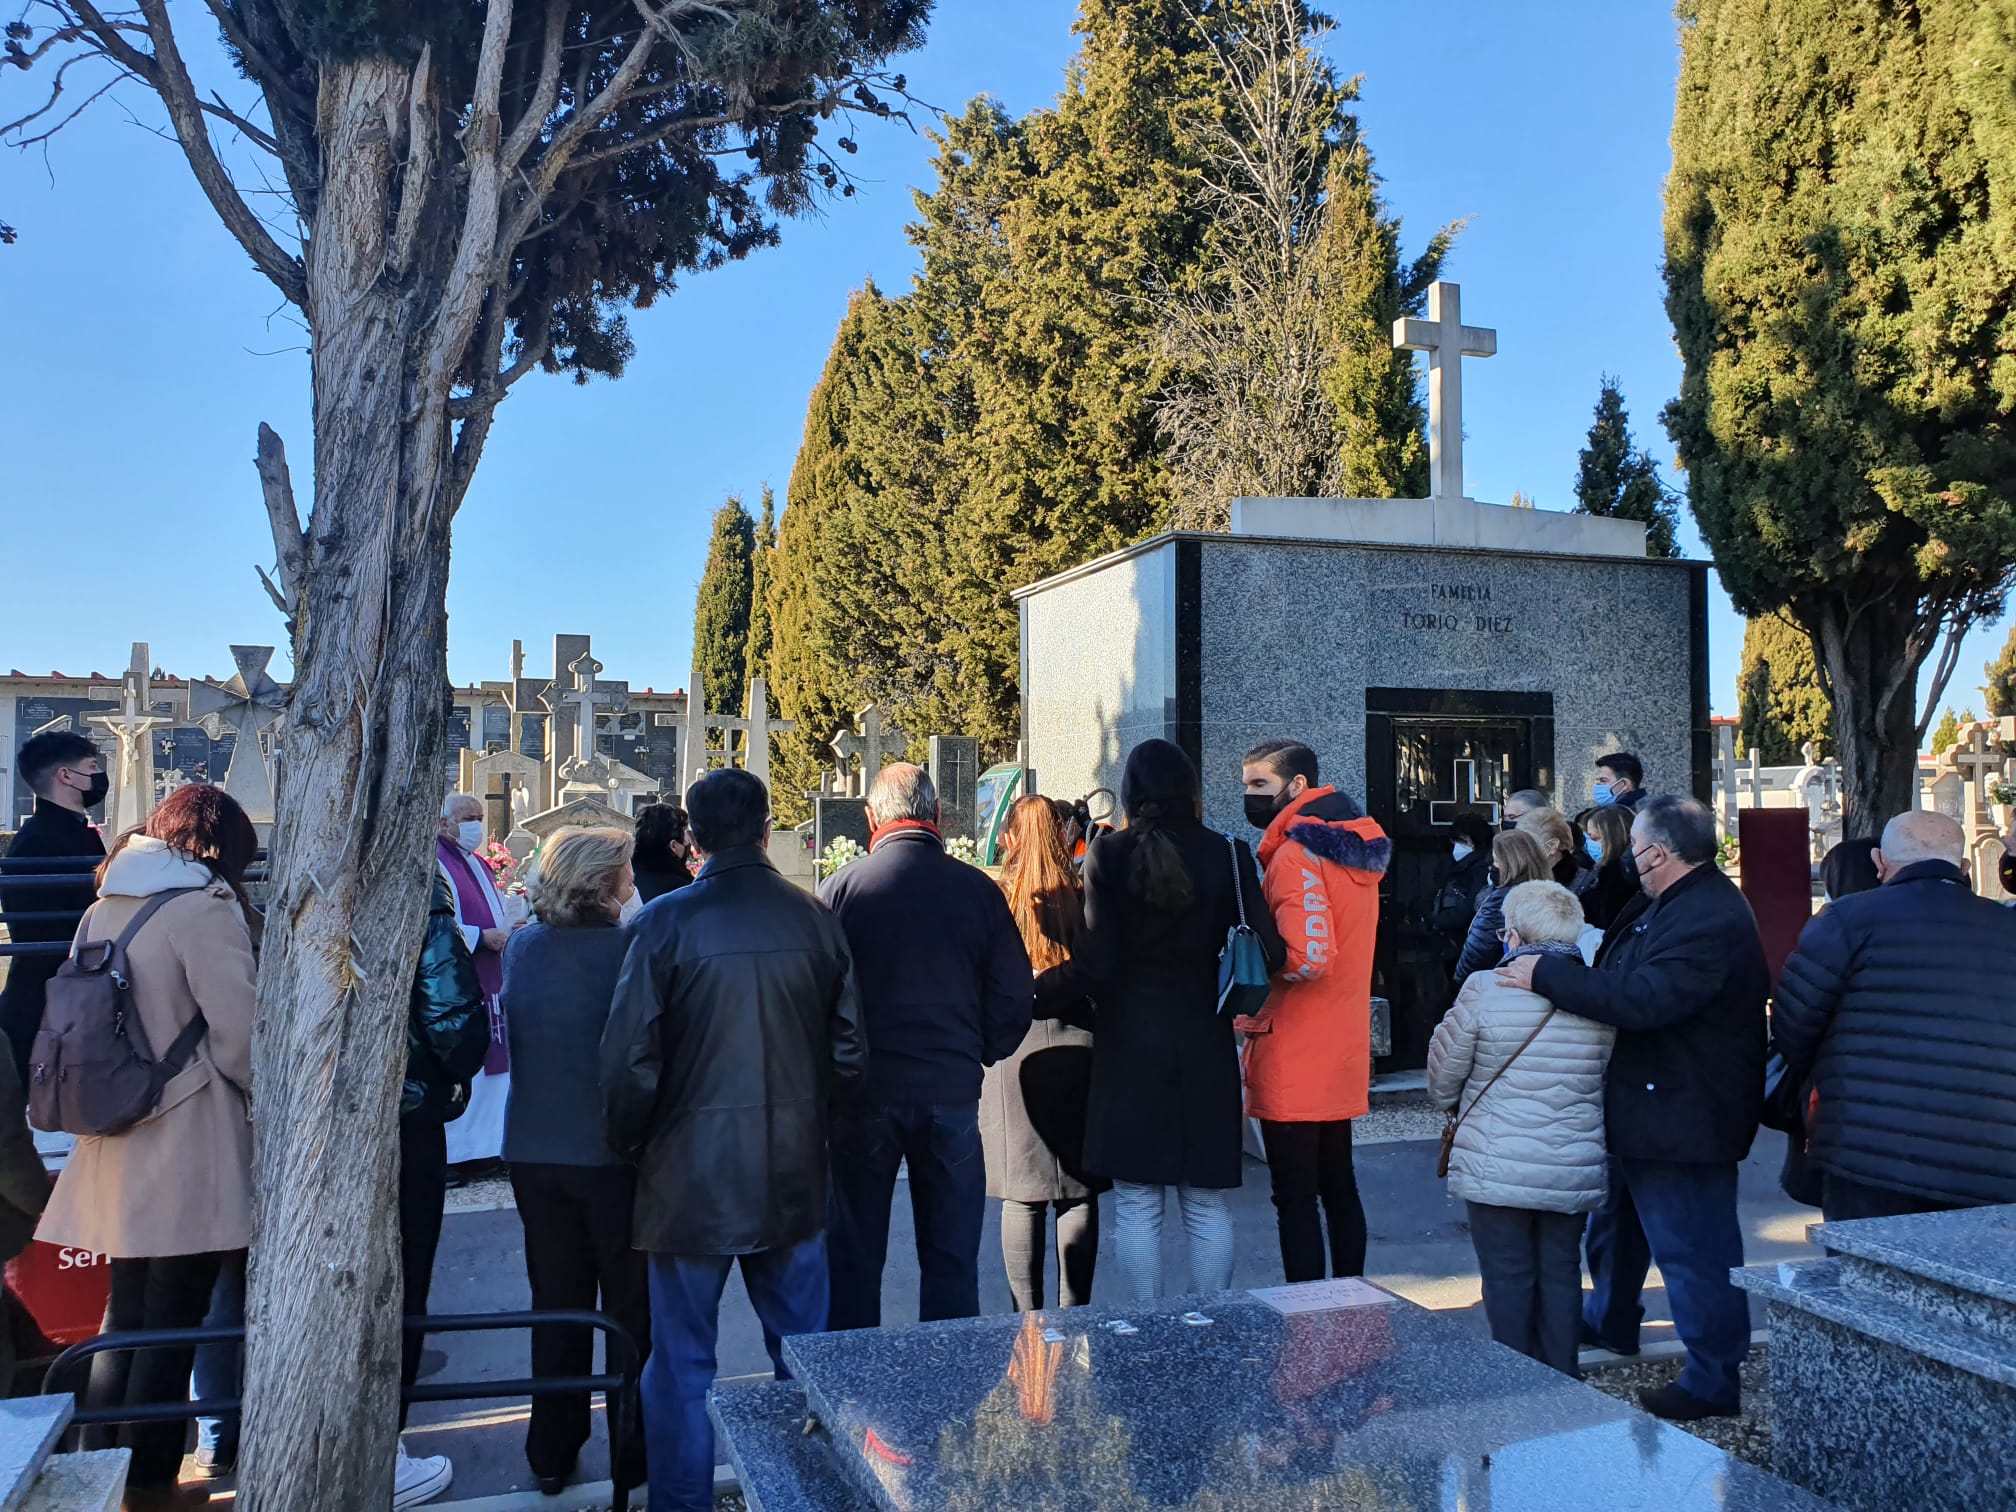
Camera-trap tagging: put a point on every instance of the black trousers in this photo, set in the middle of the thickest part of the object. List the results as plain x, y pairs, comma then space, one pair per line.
1022, 1236
1531, 1264
578, 1256
1841, 1200
423, 1189
1311, 1163
170, 1292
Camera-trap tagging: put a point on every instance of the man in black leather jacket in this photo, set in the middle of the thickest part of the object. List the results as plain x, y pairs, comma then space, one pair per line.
734, 1021
1684, 981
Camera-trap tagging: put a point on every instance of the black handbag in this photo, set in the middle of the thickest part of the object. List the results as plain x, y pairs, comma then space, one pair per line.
1784, 1099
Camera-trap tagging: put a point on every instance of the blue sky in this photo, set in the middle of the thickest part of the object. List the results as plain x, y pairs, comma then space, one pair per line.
143, 351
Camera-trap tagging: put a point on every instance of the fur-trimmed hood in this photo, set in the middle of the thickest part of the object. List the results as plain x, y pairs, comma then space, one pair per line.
1330, 827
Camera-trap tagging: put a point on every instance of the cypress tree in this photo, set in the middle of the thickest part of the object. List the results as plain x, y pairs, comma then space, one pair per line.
761, 566
721, 609
1946, 734
2001, 674
1619, 479
1841, 274
1780, 702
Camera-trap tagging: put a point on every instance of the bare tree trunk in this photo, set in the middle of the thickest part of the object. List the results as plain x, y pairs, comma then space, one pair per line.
351, 853
1872, 678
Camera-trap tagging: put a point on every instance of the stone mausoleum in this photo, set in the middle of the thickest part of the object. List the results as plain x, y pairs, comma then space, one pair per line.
1438, 653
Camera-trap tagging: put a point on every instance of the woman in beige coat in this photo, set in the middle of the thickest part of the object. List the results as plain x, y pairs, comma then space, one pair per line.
1529, 1152
170, 1200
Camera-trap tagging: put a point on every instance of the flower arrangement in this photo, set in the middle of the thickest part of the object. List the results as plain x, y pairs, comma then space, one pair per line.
505, 869
840, 851
962, 848
2002, 790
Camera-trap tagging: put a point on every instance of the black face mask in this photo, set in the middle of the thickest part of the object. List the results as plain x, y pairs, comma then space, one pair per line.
1262, 807
95, 794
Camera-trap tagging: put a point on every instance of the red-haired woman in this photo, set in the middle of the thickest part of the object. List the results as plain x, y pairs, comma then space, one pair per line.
170, 1199
1032, 1105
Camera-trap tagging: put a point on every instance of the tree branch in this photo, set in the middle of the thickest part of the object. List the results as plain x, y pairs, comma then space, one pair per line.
545, 93
415, 179
266, 73
290, 543
215, 106
170, 78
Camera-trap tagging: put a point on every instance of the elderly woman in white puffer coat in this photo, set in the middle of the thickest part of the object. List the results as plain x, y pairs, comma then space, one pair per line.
1526, 1083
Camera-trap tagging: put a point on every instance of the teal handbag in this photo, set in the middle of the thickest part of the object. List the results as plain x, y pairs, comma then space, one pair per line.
1242, 965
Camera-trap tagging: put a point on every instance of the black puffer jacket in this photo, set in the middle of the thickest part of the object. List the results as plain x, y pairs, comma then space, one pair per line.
447, 1026
735, 1020
1900, 1005
1684, 982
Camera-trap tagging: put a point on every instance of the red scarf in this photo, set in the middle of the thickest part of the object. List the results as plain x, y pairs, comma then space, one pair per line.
894, 826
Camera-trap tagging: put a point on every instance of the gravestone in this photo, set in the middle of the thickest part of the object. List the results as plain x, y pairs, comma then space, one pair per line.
131, 798
1893, 1361
1437, 653
755, 726
1330, 1395
523, 775
955, 772
248, 705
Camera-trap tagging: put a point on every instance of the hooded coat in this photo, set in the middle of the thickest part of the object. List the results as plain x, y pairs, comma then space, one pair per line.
179, 1182
1309, 1052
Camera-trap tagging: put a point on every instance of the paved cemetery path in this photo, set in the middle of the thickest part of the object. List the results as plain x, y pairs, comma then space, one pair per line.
1419, 1248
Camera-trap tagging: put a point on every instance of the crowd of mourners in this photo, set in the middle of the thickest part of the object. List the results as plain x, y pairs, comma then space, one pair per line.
693, 1064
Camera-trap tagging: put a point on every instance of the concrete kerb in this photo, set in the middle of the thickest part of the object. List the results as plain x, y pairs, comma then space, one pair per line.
589, 1496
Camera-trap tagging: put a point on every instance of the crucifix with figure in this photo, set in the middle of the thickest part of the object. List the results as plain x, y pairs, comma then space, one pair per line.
1447, 341
133, 727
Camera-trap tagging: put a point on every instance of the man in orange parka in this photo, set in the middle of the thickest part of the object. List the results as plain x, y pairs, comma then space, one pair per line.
1309, 1050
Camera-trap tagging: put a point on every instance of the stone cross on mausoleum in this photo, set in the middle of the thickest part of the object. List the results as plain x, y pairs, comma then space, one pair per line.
133, 727
1447, 341
245, 706
586, 767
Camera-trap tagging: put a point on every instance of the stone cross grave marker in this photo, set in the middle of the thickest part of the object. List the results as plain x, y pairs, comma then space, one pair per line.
246, 706
755, 726
1979, 764
585, 770
132, 798
1447, 341
872, 742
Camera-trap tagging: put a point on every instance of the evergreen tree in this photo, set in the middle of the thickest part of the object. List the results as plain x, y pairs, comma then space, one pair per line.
1780, 702
1620, 480
721, 609
1946, 734
762, 565
1841, 275
2001, 674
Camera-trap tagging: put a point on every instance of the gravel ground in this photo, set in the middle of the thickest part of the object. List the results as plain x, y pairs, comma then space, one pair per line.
1389, 1125
1747, 1437
485, 1194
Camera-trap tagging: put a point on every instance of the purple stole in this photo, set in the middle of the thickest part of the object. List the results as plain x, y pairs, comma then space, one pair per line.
476, 913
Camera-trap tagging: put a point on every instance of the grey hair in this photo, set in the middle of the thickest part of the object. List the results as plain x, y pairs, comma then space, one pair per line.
449, 804
1533, 798
903, 792
1923, 835
1683, 825
1539, 912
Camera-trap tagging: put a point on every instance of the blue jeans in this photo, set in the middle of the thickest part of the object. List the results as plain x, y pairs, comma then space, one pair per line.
219, 1367
1683, 1216
948, 1201
787, 1287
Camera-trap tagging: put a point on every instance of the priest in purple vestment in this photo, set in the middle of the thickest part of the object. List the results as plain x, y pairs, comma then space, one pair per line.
486, 927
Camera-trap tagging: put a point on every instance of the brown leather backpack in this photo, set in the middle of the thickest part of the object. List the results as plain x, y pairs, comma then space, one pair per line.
92, 1071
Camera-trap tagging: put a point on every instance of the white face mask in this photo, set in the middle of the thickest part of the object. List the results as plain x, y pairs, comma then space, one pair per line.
630, 907
1459, 850
469, 835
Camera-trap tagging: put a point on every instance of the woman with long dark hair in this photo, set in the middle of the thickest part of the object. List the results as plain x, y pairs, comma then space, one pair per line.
1165, 1105
170, 1199
1032, 1105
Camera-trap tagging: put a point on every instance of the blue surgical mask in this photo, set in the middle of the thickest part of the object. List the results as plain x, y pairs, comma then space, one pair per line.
1459, 850
1602, 794
1594, 847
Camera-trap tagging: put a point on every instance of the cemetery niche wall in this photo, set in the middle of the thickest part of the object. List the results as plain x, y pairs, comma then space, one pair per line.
1438, 654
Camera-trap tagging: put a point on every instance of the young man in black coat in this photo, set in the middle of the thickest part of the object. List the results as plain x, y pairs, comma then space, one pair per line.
946, 991
1684, 981
1897, 1005
64, 771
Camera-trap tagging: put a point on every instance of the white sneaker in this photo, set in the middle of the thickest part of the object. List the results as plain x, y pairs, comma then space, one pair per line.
419, 1480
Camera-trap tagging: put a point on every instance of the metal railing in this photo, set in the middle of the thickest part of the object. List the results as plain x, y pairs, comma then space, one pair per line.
60, 871
618, 1383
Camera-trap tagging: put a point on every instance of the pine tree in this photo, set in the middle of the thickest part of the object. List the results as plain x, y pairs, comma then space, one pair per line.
1945, 734
761, 566
1780, 703
721, 609
2001, 674
1841, 274
1620, 480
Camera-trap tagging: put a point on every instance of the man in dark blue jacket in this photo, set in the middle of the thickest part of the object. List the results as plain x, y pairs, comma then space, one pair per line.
946, 991
1684, 981
1900, 1007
